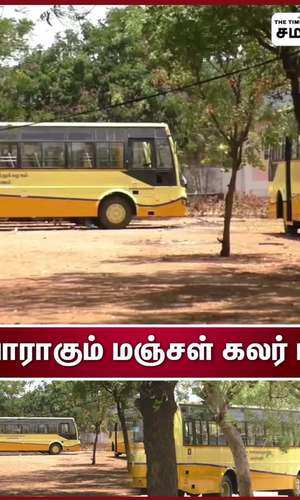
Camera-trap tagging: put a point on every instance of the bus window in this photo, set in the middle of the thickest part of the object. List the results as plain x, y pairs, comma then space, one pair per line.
204, 433
110, 155
42, 429
142, 154
164, 156
54, 155
198, 432
255, 434
26, 429
82, 155
8, 155
188, 437
213, 433
31, 155
64, 429
14, 428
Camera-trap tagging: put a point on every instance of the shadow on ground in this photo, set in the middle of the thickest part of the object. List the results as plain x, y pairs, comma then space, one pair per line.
69, 480
211, 293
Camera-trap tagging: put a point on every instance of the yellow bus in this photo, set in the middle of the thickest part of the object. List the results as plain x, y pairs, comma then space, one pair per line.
134, 435
38, 434
204, 461
108, 172
284, 183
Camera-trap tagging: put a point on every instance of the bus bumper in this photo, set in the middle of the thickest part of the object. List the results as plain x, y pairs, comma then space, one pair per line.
175, 208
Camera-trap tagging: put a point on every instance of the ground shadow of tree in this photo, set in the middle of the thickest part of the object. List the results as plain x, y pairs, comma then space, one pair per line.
211, 294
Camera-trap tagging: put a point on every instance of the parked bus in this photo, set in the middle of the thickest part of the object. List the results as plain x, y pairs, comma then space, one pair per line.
204, 461
42, 434
284, 183
134, 434
108, 172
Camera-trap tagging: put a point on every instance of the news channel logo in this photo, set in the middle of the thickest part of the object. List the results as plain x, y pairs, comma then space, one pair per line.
286, 29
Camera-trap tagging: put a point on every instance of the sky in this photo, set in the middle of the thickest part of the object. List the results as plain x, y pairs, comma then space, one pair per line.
43, 34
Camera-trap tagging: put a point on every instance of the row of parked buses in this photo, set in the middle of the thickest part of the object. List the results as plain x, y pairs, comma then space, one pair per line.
204, 461
114, 172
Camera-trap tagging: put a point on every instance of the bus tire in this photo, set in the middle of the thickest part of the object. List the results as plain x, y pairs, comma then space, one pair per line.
226, 487
115, 213
55, 449
296, 491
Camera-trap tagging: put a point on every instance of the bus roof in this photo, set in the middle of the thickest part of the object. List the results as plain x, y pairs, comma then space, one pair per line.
82, 124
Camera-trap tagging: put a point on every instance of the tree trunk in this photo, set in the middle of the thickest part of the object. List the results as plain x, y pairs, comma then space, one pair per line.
124, 428
97, 431
225, 250
158, 407
238, 450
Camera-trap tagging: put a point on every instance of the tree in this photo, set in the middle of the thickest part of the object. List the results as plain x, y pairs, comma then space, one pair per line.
13, 46
123, 394
96, 401
229, 108
10, 398
157, 406
217, 396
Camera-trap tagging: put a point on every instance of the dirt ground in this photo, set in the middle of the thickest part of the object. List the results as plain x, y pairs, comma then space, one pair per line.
66, 474
152, 272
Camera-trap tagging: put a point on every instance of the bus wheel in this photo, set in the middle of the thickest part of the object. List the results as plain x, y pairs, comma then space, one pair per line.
115, 213
226, 487
297, 486
55, 449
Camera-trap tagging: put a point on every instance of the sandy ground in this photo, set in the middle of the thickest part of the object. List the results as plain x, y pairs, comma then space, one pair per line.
66, 474
152, 272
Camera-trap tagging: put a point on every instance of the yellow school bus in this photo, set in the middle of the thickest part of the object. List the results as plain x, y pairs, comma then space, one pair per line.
41, 434
204, 461
284, 183
108, 172
134, 434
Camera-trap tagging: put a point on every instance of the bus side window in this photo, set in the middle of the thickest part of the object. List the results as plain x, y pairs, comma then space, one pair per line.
204, 430
198, 432
81, 155
110, 155
142, 154
25, 429
14, 428
42, 429
8, 155
32, 155
64, 429
213, 433
188, 437
163, 154
54, 155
